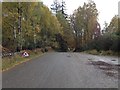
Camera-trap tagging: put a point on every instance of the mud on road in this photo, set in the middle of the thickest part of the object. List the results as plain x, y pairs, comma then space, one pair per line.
108, 69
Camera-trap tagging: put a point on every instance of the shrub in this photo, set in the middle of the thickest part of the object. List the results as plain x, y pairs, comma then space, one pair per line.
106, 42
94, 52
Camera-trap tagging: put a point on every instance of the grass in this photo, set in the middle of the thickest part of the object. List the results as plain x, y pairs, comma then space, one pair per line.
9, 62
94, 52
109, 52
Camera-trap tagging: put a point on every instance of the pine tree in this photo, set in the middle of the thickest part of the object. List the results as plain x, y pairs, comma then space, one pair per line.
59, 7
63, 8
55, 7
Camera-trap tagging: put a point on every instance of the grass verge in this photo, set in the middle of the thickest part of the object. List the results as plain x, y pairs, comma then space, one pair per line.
104, 53
10, 62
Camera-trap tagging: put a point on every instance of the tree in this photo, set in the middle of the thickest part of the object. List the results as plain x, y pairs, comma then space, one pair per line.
58, 7
84, 21
62, 43
36, 25
55, 7
109, 40
113, 26
9, 21
105, 29
64, 21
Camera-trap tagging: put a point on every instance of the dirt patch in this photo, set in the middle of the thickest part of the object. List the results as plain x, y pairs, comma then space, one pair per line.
112, 73
108, 69
100, 63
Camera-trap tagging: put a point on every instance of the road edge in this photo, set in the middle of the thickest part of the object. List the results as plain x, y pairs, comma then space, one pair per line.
21, 63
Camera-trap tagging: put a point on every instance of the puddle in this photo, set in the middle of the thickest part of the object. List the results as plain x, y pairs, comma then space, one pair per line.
100, 63
89, 59
68, 56
113, 60
106, 67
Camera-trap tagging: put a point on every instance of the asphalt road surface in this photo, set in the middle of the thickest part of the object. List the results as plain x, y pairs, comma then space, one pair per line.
58, 70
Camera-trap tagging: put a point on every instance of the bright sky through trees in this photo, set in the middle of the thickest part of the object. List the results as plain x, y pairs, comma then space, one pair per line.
107, 8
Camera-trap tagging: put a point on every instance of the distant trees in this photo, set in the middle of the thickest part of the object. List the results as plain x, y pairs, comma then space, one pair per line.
67, 34
55, 7
29, 25
62, 43
88, 33
59, 7
110, 39
114, 24
113, 34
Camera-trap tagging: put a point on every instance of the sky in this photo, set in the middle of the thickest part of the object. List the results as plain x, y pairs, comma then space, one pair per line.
107, 8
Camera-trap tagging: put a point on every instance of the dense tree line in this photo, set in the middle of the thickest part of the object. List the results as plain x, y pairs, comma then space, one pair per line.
87, 31
110, 38
28, 25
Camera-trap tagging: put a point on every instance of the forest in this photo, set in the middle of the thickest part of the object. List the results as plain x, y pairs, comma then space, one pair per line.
31, 25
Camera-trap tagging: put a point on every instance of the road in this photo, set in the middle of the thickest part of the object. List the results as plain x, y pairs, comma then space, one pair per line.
58, 70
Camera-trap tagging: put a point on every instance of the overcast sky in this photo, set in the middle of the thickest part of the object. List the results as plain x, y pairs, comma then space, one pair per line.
107, 8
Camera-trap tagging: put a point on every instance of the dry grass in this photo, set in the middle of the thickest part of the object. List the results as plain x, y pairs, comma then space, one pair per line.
8, 62
109, 52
